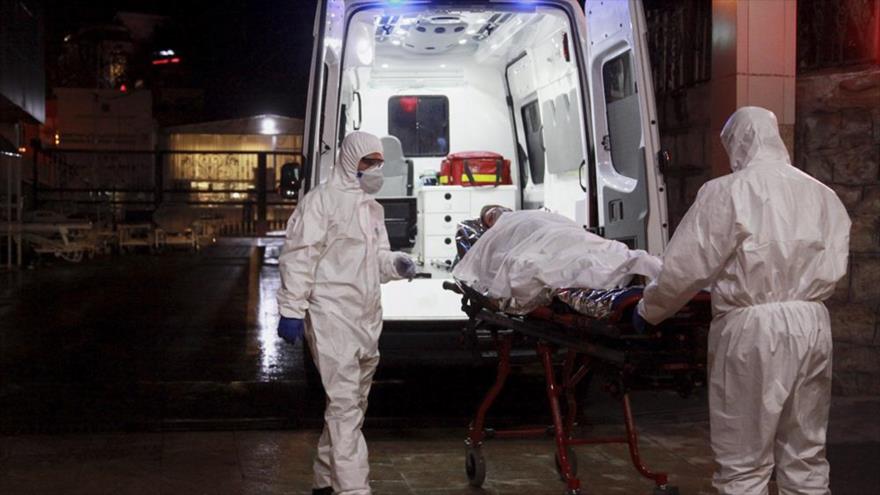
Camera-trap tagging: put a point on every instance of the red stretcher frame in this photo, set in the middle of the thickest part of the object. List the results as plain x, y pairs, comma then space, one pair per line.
582, 338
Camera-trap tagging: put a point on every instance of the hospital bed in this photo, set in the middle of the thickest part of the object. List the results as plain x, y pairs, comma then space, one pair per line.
186, 238
132, 236
598, 340
68, 240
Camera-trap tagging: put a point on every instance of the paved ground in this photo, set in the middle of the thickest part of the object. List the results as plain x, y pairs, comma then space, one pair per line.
163, 374
404, 461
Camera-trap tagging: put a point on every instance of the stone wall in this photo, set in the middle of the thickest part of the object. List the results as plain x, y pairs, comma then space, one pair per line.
838, 142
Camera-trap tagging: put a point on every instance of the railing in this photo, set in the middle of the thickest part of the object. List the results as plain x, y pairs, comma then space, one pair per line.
680, 43
11, 203
837, 33
237, 189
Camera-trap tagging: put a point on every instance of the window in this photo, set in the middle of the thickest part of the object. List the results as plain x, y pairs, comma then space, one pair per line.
617, 75
624, 117
421, 123
534, 141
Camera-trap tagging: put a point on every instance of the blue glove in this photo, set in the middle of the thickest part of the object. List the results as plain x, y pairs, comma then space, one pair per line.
291, 329
405, 266
639, 323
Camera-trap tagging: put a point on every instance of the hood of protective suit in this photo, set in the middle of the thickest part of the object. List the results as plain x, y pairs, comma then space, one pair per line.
751, 136
354, 147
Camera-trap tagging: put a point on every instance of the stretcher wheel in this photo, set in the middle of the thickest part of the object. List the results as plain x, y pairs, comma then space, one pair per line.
475, 466
667, 490
572, 461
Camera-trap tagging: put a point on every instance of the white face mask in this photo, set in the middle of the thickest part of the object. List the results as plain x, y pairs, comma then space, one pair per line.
371, 180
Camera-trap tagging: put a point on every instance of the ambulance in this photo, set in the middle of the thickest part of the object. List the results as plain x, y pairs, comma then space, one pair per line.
558, 93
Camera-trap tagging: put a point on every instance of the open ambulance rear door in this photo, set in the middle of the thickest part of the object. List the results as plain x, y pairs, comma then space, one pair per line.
630, 190
321, 113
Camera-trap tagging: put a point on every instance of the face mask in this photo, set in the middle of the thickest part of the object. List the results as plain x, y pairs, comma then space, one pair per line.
371, 180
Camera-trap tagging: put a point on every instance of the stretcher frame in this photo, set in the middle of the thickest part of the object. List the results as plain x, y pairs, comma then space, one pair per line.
585, 342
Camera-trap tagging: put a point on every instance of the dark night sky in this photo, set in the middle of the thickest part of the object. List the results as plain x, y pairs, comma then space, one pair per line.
251, 57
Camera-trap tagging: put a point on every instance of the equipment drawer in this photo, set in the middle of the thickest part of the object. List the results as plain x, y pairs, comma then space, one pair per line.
443, 223
446, 199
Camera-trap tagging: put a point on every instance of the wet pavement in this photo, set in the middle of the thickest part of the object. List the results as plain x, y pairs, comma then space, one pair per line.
111, 371
131, 341
404, 461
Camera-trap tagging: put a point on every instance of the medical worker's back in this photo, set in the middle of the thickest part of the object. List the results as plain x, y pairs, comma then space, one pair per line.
794, 237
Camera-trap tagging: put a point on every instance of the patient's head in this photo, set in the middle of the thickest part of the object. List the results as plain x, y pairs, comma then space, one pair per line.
490, 214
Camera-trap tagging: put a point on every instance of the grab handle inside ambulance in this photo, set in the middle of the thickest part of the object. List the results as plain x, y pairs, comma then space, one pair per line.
581, 175
360, 111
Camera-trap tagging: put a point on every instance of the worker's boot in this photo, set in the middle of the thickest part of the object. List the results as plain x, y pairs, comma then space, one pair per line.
322, 491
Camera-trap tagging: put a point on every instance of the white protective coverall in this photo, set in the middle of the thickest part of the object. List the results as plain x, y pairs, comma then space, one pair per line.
772, 242
527, 254
334, 258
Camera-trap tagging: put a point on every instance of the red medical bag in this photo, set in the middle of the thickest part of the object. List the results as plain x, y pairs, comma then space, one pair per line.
475, 168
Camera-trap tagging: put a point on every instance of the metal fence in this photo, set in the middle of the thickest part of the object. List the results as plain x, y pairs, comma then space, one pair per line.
237, 189
11, 204
679, 42
837, 33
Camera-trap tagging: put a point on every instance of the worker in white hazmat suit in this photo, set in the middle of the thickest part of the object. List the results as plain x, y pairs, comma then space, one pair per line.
334, 258
771, 242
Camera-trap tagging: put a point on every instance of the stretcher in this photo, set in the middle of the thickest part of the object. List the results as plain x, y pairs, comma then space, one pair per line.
670, 356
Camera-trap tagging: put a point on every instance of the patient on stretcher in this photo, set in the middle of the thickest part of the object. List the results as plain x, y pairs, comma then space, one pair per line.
523, 259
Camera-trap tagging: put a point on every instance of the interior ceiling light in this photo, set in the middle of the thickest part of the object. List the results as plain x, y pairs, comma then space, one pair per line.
437, 30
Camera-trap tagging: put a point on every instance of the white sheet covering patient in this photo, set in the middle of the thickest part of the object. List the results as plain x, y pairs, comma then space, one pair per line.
528, 254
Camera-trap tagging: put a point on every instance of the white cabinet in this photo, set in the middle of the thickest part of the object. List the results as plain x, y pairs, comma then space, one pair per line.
444, 223
446, 198
441, 208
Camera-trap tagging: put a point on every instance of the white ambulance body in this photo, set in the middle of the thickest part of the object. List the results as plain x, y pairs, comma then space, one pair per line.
561, 90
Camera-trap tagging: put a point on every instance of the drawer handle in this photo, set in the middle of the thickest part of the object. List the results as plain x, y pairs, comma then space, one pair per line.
447, 218
447, 240
447, 196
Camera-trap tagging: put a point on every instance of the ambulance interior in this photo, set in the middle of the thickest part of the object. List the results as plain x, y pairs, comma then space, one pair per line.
434, 81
